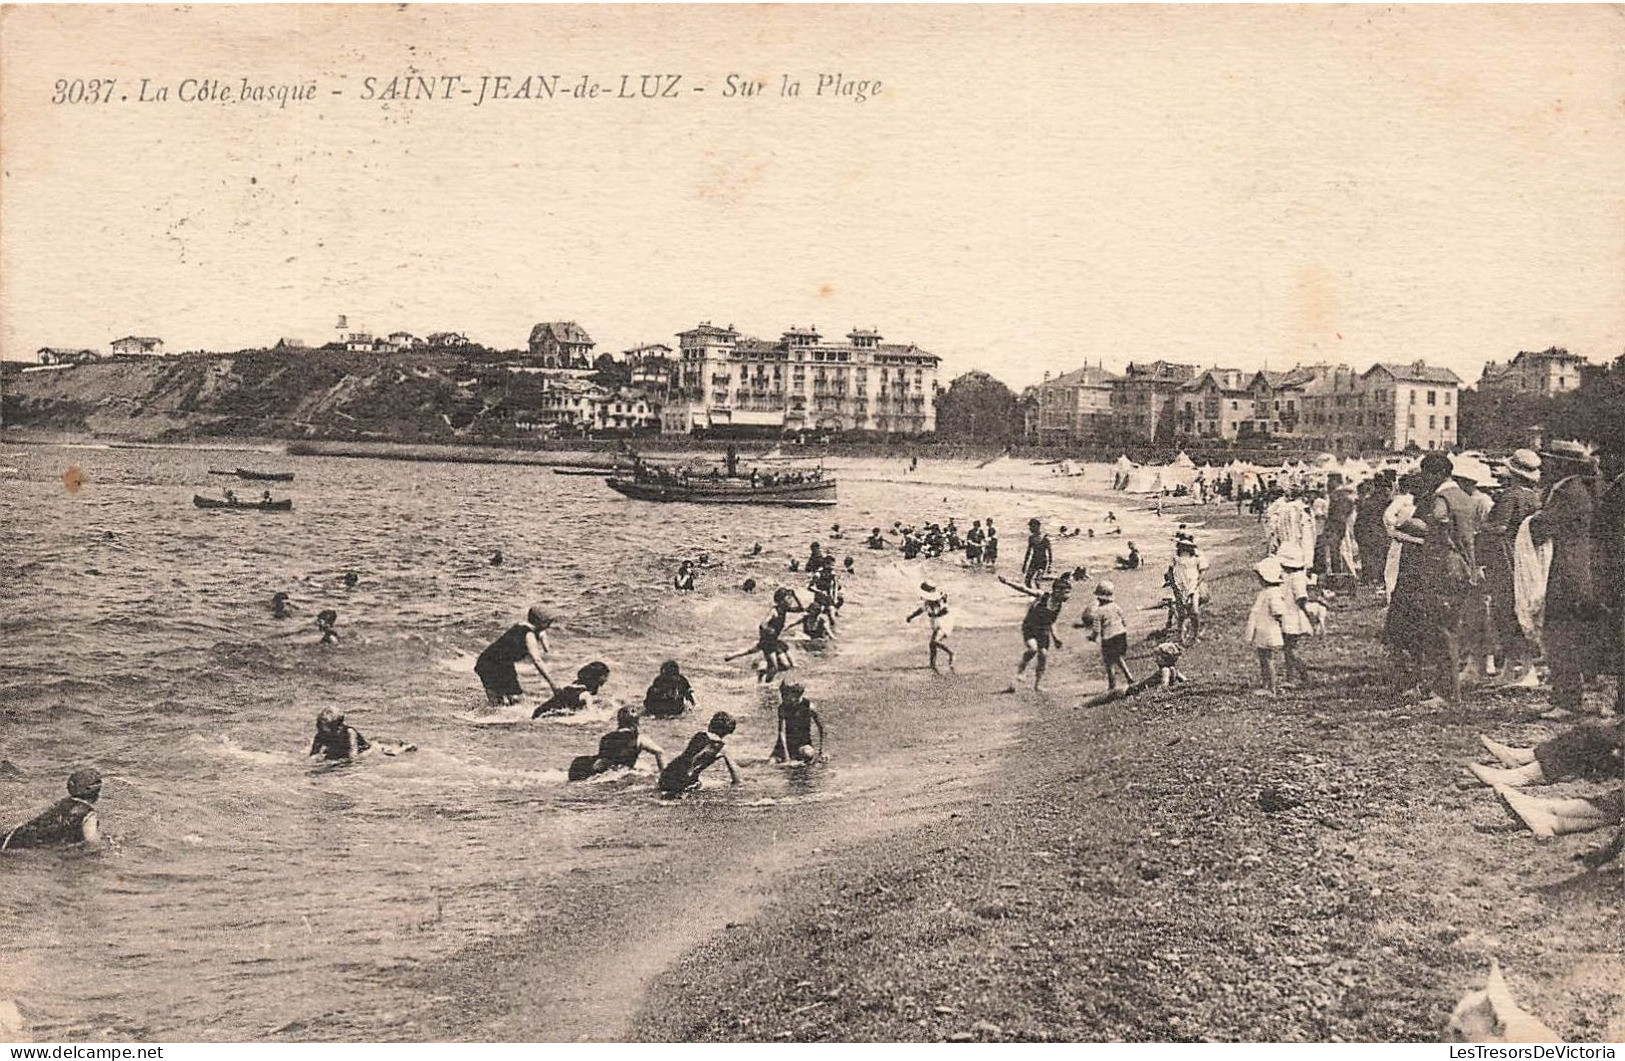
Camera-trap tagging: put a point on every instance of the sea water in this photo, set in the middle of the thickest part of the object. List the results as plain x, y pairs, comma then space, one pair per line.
246, 894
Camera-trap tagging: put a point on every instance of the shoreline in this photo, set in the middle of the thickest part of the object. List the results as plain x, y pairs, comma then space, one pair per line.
606, 944
1129, 848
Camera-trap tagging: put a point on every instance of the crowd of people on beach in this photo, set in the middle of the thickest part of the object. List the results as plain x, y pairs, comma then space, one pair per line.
1492, 580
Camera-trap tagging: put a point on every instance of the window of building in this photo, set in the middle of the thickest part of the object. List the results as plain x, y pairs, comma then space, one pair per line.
1432, 424
1410, 420
1432, 397
1412, 393
1447, 423
1447, 397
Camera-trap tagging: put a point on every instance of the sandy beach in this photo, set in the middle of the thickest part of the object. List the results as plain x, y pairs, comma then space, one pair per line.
1116, 874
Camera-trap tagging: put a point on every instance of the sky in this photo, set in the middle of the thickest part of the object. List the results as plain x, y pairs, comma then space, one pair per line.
1031, 190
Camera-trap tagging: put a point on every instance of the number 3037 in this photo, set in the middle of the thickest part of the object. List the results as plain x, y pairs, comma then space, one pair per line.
79, 90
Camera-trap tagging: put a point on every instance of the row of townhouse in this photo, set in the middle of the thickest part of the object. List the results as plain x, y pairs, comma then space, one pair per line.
1388, 406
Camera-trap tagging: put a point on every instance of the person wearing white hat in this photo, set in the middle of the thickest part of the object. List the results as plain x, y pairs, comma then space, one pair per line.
1263, 630
1497, 551
1453, 519
934, 606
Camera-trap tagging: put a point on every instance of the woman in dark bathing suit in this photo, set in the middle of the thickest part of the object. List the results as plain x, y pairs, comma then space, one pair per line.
496, 665
682, 774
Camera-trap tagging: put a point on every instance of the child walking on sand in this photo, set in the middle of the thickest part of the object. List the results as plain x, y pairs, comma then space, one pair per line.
1263, 630
1111, 630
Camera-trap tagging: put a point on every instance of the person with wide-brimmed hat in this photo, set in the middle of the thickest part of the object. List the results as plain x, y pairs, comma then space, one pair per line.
1453, 518
1578, 634
1263, 629
1497, 551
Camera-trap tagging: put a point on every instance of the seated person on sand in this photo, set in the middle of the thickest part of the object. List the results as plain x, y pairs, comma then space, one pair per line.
1546, 817
797, 720
669, 694
1131, 562
682, 774
617, 750
575, 696
1591, 752
67, 821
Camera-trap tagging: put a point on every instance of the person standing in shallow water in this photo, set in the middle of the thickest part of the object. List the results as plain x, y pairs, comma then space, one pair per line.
1035, 564
1038, 627
496, 665
68, 821
934, 606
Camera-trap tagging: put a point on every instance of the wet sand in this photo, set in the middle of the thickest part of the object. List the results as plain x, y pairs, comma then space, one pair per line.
586, 968
1192, 864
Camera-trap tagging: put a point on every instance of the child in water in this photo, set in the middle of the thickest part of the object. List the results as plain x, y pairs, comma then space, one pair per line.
617, 750
326, 619
67, 821
685, 576
797, 720
682, 774
669, 694
335, 742
573, 697
934, 606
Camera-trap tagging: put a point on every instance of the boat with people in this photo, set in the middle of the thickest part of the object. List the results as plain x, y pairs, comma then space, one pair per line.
285, 505
809, 488
249, 473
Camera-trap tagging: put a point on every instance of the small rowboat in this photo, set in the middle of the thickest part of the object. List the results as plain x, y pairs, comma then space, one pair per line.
285, 505
600, 472
264, 477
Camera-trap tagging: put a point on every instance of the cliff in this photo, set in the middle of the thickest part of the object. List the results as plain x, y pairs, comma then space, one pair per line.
269, 394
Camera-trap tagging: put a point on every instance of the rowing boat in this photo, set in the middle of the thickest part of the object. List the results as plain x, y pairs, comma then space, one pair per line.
249, 473
736, 491
285, 505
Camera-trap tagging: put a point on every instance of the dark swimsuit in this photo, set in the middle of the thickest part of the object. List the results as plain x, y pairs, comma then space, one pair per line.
683, 772
798, 733
667, 698
496, 664
566, 701
617, 750
62, 823
335, 744
1041, 616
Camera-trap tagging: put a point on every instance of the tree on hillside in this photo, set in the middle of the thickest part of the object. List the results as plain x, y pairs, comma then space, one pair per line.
978, 408
608, 371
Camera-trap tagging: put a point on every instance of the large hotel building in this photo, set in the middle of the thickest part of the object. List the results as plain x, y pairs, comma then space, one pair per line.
726, 383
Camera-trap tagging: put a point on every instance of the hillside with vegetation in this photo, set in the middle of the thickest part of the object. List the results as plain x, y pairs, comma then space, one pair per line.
275, 394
